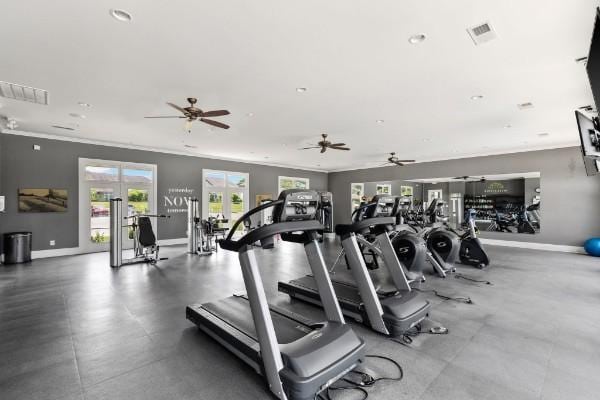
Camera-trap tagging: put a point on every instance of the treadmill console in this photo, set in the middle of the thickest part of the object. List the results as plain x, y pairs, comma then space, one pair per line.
382, 206
297, 205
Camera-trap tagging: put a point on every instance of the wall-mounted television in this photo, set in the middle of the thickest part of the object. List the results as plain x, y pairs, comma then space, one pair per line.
593, 61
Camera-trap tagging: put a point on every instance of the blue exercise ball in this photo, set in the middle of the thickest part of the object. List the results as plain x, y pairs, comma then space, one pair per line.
592, 246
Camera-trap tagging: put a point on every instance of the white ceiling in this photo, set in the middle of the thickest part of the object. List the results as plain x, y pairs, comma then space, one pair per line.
354, 58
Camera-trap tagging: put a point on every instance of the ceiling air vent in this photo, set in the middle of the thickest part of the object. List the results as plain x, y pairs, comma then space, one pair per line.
23, 93
525, 106
482, 33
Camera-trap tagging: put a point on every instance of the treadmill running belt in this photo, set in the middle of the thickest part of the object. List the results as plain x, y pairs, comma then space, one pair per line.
344, 292
236, 312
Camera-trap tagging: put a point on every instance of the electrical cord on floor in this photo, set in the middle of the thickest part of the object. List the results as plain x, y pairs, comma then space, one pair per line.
468, 278
407, 337
366, 380
466, 300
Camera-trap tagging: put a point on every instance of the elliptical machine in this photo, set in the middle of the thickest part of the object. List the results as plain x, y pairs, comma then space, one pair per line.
411, 245
471, 249
443, 243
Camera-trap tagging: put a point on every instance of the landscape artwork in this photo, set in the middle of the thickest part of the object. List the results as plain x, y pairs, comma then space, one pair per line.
42, 200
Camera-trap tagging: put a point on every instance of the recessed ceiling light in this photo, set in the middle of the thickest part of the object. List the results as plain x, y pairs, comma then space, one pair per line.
477, 97
426, 139
416, 39
75, 115
120, 15
250, 114
508, 126
543, 134
301, 89
82, 104
380, 121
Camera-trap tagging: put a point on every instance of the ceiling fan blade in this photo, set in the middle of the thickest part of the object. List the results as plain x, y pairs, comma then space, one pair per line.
323, 149
336, 144
307, 148
171, 116
216, 113
340, 148
175, 106
404, 161
214, 123
398, 163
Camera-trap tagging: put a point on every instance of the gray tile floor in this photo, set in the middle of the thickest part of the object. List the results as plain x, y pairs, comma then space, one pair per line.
72, 328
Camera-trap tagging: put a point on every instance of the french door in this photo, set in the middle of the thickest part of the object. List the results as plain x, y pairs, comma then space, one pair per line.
225, 195
99, 182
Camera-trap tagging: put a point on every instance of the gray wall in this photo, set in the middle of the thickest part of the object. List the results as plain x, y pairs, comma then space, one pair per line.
530, 185
570, 197
56, 166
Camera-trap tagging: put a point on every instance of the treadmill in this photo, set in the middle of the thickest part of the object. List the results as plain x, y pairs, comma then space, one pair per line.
297, 357
391, 313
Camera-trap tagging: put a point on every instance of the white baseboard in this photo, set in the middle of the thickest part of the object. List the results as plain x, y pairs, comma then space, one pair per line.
71, 251
536, 246
67, 251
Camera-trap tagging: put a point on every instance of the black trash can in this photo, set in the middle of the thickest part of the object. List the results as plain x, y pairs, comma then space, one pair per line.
17, 247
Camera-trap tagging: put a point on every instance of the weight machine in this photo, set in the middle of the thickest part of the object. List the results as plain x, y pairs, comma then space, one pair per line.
145, 247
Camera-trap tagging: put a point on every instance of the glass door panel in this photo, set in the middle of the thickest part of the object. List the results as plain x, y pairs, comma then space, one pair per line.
100, 213
215, 205
236, 208
137, 202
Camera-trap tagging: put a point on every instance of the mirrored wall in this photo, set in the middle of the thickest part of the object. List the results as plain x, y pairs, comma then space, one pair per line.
507, 203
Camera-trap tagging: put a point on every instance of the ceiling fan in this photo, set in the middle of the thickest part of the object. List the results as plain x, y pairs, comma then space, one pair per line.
192, 113
392, 159
467, 177
326, 144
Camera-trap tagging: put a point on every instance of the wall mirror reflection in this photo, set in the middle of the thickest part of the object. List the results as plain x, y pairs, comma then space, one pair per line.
509, 203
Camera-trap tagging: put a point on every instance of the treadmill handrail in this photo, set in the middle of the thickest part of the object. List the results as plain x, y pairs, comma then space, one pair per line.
270, 230
359, 226
250, 213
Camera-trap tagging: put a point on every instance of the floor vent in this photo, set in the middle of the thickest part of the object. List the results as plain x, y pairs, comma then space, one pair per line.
23, 93
482, 33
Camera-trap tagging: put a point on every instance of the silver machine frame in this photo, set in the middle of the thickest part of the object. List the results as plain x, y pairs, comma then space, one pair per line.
196, 238
265, 330
140, 255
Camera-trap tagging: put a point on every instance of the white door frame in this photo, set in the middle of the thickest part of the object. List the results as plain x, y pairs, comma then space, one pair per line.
85, 245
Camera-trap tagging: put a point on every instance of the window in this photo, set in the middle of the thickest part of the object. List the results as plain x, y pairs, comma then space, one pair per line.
104, 174
357, 192
225, 195
384, 188
286, 182
137, 175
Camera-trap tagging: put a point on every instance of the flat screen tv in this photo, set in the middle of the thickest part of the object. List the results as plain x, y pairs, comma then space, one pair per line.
590, 142
593, 61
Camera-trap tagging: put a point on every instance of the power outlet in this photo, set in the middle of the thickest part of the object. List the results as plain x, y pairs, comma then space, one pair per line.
53, 243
